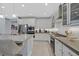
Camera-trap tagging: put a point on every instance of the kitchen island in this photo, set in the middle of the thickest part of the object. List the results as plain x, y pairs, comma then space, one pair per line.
17, 44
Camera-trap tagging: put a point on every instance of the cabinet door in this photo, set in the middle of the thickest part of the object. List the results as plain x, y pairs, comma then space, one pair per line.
42, 37
71, 53
58, 48
74, 14
27, 46
68, 52
65, 51
64, 14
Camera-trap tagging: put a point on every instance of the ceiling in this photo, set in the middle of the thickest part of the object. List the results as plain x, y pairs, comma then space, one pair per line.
28, 9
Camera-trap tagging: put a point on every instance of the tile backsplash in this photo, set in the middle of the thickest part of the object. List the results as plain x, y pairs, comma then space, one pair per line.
75, 30
62, 29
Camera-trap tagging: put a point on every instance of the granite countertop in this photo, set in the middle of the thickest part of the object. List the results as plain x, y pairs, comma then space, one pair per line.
74, 44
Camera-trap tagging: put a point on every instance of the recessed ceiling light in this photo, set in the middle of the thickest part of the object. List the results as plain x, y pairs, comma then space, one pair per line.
46, 4
1, 16
22, 5
13, 15
2, 7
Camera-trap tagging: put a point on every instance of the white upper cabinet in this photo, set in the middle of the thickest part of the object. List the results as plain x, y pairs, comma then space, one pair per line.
64, 7
58, 48
70, 13
74, 18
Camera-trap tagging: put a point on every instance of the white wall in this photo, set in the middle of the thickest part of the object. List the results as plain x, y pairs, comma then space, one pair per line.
7, 26
43, 23
2, 26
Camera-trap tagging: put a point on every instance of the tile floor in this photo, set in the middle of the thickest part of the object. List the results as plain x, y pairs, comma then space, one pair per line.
42, 48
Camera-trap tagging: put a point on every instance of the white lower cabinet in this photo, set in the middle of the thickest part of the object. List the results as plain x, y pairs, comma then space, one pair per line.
65, 51
27, 46
71, 53
58, 48
30, 46
42, 37
62, 50
68, 52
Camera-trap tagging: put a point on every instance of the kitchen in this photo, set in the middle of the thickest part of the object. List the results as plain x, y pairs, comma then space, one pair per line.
39, 29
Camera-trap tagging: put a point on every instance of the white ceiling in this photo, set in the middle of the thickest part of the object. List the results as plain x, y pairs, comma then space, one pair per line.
29, 9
